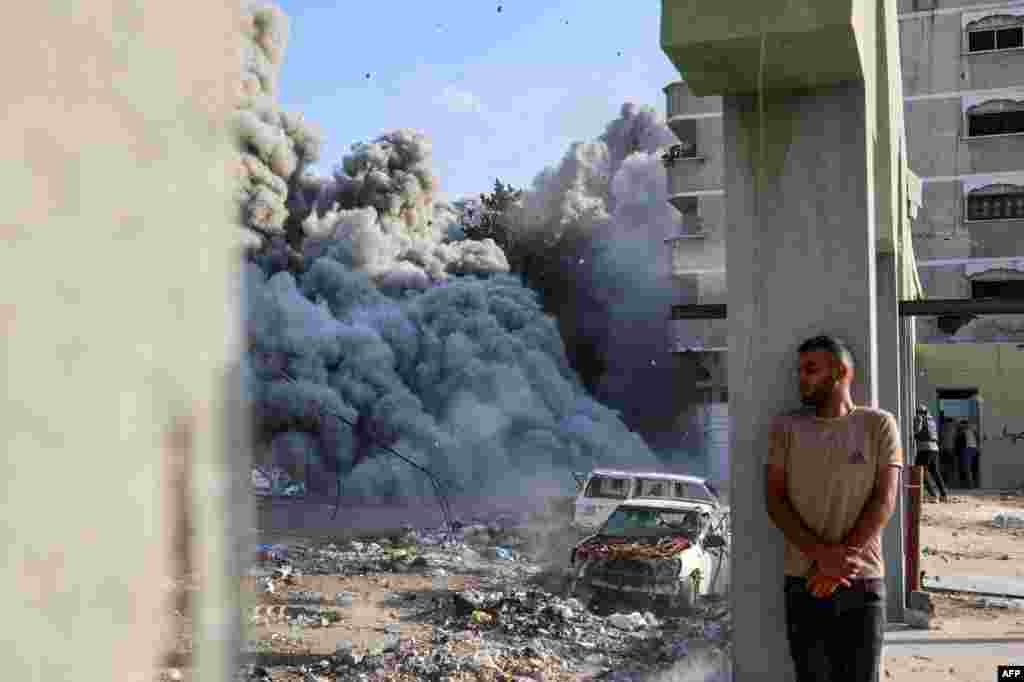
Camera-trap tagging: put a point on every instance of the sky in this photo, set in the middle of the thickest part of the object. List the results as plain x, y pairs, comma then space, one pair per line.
500, 94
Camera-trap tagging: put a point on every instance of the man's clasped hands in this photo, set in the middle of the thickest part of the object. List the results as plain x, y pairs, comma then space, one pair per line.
833, 566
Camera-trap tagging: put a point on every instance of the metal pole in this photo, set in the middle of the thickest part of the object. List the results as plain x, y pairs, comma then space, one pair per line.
914, 530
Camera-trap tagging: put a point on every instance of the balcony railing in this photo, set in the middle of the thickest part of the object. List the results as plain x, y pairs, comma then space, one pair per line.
677, 152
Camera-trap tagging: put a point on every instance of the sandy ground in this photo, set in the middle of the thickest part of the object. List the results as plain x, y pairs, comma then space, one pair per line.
958, 539
380, 601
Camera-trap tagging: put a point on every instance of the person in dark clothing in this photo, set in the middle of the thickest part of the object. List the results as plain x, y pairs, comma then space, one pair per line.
949, 465
926, 435
968, 451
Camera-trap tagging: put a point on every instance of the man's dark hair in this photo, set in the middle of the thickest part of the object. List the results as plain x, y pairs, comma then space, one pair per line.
829, 344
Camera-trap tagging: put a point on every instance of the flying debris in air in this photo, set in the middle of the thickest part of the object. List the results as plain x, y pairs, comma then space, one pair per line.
499, 8
619, 53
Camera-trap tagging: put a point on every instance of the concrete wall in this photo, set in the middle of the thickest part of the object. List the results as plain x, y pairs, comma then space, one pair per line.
117, 330
997, 238
682, 101
890, 397
937, 144
905, 6
941, 213
995, 369
930, 49
992, 70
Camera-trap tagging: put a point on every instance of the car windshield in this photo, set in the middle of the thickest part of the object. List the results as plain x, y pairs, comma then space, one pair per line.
668, 488
637, 521
608, 486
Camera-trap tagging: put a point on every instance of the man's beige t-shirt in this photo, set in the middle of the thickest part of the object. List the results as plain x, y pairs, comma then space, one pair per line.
832, 467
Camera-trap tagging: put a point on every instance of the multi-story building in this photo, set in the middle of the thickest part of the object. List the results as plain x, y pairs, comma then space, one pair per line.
963, 82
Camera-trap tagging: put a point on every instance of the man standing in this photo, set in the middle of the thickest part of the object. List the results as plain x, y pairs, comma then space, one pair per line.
969, 454
947, 452
926, 435
832, 477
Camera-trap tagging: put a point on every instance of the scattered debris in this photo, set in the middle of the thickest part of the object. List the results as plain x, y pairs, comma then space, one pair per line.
1008, 520
491, 632
997, 603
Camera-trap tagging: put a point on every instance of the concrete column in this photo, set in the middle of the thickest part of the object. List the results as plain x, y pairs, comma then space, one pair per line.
117, 229
890, 397
801, 261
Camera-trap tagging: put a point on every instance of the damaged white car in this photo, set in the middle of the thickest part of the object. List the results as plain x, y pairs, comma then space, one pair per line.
669, 551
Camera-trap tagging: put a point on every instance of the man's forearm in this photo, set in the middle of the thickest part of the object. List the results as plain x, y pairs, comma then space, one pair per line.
783, 515
872, 520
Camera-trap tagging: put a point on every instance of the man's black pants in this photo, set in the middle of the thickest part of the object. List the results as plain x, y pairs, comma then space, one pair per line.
837, 638
932, 475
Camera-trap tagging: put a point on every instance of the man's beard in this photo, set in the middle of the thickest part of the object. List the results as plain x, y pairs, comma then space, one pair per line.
819, 395
812, 399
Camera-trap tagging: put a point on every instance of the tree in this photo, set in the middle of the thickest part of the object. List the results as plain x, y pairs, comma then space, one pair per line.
490, 219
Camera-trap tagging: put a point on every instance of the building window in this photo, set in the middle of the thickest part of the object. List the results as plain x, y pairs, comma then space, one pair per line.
1006, 289
999, 39
995, 117
995, 32
996, 202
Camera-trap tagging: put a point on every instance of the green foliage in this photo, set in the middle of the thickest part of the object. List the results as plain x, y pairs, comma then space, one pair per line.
494, 223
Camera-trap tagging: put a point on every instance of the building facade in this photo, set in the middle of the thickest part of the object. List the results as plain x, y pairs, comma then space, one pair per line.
963, 82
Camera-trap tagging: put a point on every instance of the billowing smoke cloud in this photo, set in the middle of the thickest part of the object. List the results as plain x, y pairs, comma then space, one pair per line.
275, 146
371, 324
380, 207
468, 378
606, 207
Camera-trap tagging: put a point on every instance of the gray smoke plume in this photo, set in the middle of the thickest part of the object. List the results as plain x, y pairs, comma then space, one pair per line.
606, 207
380, 211
370, 324
469, 378
275, 147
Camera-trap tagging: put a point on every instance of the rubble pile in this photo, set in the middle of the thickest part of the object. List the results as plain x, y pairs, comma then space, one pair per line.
458, 548
1008, 520
502, 629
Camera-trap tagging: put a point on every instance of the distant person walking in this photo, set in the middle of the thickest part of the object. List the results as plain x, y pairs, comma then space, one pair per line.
968, 454
948, 463
926, 435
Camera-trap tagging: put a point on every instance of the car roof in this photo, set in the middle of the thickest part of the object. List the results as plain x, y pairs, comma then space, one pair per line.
662, 503
648, 474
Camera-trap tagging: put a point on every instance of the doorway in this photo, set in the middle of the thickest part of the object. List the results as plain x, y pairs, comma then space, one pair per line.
962, 403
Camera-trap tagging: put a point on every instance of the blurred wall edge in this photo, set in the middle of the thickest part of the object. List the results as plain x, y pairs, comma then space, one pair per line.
119, 330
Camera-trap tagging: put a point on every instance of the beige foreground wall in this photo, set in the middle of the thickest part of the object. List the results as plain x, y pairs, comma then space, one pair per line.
114, 271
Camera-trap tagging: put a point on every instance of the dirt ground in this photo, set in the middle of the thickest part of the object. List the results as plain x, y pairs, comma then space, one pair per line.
958, 539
